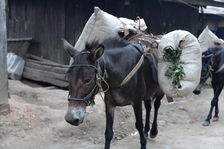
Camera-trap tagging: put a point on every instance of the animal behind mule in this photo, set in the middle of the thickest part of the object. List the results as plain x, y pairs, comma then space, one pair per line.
104, 66
213, 66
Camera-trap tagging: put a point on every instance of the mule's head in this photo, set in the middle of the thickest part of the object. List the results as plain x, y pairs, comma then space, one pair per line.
205, 71
82, 81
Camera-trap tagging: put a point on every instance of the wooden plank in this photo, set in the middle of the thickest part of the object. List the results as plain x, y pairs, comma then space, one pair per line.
20, 39
48, 68
43, 78
45, 73
30, 56
47, 64
199, 2
3, 49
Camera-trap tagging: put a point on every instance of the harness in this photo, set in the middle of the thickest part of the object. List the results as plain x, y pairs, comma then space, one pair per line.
210, 70
207, 73
137, 66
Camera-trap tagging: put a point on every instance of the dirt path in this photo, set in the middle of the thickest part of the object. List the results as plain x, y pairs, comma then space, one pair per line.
37, 121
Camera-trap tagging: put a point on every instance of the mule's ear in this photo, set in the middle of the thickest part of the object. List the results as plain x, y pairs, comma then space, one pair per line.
69, 48
97, 53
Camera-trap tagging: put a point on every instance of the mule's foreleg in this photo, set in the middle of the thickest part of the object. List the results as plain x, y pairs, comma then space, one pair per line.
216, 116
148, 107
139, 124
217, 90
154, 130
109, 125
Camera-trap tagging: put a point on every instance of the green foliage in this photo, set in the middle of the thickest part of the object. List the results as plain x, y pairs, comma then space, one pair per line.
175, 69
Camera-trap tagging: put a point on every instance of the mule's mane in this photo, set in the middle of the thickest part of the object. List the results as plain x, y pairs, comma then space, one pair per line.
91, 46
114, 43
107, 43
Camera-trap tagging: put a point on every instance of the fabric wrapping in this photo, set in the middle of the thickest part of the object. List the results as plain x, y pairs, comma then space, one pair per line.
190, 60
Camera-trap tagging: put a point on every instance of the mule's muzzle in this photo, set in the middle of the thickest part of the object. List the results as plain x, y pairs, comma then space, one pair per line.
75, 117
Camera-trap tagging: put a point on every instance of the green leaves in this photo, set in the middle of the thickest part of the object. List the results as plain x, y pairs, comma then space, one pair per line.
175, 69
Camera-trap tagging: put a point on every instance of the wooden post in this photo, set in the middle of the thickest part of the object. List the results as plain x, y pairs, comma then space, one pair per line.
4, 106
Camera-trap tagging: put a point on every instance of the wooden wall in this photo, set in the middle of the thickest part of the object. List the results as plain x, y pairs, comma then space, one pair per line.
3, 67
44, 21
47, 21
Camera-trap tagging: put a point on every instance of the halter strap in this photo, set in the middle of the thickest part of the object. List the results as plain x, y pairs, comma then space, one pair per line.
89, 98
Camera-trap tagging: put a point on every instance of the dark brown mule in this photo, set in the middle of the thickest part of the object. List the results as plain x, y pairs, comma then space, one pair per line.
104, 66
212, 66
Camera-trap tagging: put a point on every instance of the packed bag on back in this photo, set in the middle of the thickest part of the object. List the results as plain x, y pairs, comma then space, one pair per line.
179, 65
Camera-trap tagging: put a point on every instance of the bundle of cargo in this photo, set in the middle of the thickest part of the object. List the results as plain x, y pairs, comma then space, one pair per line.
102, 25
208, 39
179, 66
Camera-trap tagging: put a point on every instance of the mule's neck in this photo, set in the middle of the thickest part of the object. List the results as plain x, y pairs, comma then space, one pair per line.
117, 63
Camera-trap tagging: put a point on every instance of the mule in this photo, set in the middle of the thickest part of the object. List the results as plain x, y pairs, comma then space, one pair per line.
104, 66
212, 66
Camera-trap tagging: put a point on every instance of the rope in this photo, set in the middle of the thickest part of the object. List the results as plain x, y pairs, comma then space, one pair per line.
138, 19
133, 71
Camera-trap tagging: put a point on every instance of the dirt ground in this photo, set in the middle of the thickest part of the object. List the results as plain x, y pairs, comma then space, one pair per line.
37, 121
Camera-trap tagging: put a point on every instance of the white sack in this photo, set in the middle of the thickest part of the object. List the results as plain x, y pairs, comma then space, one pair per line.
190, 57
101, 25
133, 25
208, 39
15, 65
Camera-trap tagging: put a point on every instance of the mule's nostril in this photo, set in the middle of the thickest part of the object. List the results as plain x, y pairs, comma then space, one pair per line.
76, 121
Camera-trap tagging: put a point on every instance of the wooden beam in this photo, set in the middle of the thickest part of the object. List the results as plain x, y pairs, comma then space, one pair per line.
20, 39
33, 64
198, 2
3, 68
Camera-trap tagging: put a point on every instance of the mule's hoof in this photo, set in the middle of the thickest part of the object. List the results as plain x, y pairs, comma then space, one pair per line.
206, 123
153, 134
215, 119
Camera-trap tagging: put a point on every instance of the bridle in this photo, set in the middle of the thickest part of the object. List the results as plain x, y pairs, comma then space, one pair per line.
89, 98
208, 71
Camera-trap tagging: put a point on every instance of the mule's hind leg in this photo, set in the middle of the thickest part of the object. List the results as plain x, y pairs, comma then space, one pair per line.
217, 90
148, 107
139, 124
157, 103
216, 116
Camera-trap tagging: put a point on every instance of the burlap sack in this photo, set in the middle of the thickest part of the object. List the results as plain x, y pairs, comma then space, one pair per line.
133, 25
101, 25
190, 58
208, 39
